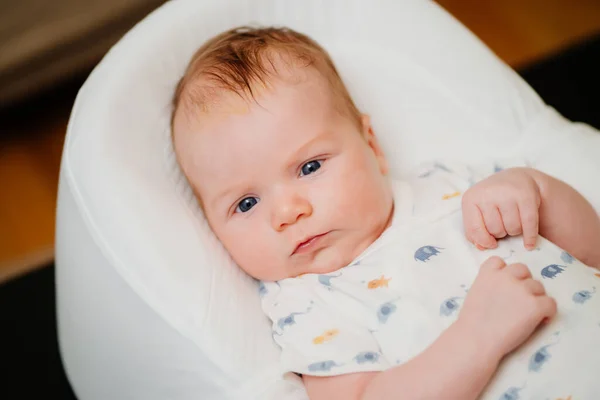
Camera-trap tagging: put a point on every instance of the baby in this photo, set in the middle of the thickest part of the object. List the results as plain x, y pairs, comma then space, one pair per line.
425, 288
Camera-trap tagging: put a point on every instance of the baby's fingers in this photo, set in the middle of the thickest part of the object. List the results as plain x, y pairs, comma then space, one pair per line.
534, 287
530, 223
493, 221
511, 219
546, 307
475, 229
519, 271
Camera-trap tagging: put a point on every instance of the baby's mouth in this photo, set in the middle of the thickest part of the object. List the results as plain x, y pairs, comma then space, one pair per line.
308, 244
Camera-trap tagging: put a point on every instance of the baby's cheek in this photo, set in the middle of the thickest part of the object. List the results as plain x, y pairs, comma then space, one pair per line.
363, 197
241, 246
265, 256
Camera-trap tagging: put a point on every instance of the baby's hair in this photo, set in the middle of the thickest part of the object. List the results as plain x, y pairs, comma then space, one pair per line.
238, 60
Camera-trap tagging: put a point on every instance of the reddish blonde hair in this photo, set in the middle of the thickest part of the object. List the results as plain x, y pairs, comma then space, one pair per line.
236, 60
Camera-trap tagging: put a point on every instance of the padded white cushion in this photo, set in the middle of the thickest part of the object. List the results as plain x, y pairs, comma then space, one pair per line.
149, 304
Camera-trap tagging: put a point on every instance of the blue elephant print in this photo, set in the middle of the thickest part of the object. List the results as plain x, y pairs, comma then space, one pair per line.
367, 357
539, 358
262, 289
552, 270
385, 310
566, 257
290, 319
322, 366
325, 280
449, 306
512, 393
426, 252
583, 295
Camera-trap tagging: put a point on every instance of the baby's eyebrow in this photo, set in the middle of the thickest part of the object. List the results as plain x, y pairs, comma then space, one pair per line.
223, 194
321, 137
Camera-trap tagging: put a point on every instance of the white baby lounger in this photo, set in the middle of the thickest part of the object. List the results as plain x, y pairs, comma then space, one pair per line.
149, 304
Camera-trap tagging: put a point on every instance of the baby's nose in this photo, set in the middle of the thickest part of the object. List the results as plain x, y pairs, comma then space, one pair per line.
288, 210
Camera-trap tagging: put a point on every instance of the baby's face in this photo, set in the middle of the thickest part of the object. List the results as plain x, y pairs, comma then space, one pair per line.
289, 185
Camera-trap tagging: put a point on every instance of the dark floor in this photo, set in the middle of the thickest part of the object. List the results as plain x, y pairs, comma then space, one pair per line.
30, 362
30, 365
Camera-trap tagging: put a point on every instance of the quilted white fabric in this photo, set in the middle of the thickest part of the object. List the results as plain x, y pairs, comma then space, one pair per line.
149, 304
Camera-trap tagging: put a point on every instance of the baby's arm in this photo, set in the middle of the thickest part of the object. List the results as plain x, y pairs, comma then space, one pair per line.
568, 219
453, 367
502, 308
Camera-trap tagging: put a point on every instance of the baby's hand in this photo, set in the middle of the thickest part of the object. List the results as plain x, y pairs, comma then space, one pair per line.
506, 203
503, 307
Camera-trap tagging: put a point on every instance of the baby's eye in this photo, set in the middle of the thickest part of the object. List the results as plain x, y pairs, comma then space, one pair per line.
246, 204
310, 167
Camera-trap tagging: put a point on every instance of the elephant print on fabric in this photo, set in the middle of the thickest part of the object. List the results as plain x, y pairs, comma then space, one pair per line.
426, 252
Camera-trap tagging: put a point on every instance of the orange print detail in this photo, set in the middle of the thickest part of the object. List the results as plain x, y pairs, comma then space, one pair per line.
451, 195
379, 282
325, 337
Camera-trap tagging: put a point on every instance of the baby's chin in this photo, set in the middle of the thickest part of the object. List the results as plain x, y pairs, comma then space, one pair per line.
330, 260
321, 265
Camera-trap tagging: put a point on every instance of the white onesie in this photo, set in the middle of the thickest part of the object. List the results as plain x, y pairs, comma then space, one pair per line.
398, 296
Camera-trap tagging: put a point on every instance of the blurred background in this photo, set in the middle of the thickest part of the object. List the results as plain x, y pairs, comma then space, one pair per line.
48, 48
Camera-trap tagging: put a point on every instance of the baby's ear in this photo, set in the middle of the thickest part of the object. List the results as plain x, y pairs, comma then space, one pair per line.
369, 135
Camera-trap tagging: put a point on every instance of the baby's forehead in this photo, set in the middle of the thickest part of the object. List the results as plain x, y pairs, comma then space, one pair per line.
202, 95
